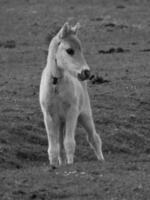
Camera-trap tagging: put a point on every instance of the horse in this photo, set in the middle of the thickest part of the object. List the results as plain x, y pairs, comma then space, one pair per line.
64, 98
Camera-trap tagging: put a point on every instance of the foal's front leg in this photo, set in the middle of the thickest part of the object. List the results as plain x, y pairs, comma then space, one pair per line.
69, 140
52, 129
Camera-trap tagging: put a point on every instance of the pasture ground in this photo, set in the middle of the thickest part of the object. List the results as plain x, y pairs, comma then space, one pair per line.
116, 38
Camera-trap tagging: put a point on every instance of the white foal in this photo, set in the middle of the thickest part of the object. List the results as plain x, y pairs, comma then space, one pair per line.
64, 97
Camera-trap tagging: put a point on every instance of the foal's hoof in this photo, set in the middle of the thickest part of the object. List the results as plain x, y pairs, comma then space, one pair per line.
51, 168
101, 159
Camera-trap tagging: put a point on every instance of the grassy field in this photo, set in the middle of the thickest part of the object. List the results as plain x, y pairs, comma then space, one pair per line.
116, 39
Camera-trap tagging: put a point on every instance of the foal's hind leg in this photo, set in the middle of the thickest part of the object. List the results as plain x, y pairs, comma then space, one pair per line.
62, 157
69, 140
94, 139
52, 130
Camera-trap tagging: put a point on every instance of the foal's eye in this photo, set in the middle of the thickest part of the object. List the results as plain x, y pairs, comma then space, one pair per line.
70, 51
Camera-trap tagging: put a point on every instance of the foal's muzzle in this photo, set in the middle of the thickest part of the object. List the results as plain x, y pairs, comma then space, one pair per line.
84, 75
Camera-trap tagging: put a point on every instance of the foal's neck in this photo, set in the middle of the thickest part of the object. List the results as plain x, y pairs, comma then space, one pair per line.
52, 68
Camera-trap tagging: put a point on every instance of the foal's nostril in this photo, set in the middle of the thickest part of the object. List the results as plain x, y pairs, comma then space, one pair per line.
87, 73
84, 75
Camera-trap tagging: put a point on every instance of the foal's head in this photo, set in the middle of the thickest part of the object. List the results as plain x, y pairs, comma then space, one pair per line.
69, 55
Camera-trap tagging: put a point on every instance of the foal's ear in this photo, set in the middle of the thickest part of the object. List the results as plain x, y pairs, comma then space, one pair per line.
75, 29
64, 31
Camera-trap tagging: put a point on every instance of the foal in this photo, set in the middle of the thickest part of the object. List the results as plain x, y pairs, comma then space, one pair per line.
64, 97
